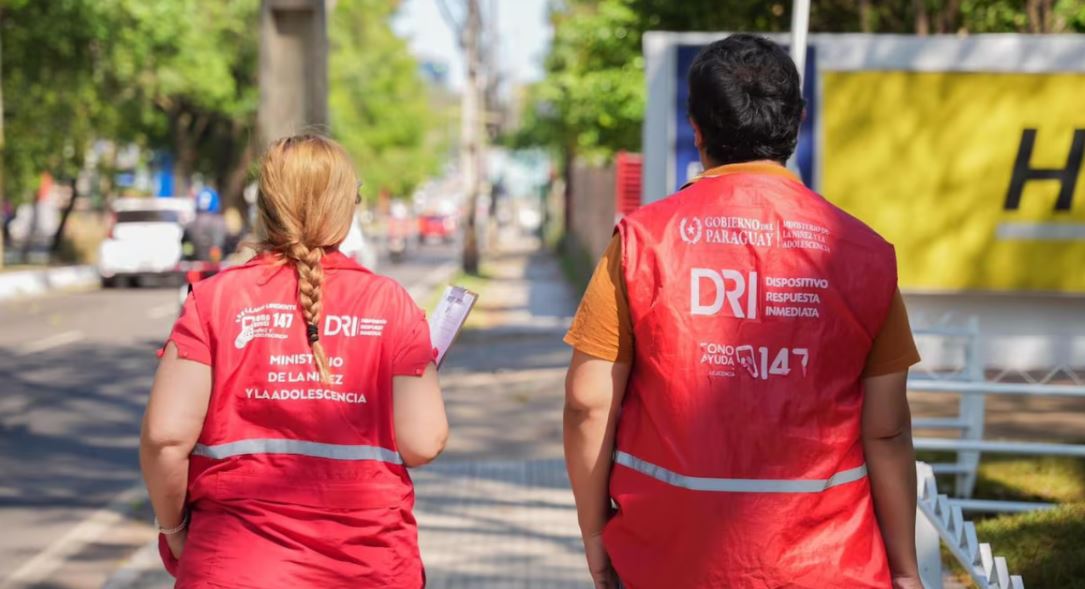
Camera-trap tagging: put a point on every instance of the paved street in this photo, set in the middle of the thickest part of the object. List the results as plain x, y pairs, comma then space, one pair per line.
75, 369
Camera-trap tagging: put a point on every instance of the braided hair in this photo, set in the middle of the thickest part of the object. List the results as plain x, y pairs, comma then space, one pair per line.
308, 190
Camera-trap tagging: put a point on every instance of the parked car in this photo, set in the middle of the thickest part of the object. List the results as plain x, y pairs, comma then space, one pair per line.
437, 226
144, 240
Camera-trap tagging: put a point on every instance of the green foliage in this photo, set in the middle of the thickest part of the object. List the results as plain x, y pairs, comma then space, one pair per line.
176, 74
378, 100
1044, 547
181, 75
591, 102
51, 69
1048, 478
185, 75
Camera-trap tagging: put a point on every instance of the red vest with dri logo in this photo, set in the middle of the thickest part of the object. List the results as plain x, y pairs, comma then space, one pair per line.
294, 482
739, 461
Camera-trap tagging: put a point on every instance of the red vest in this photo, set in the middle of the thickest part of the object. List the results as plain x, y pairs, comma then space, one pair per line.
739, 463
295, 483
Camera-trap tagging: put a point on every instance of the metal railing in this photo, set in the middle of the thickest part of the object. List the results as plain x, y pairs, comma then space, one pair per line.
969, 383
941, 521
971, 408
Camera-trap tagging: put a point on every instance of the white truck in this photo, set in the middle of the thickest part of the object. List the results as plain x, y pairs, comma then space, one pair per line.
144, 240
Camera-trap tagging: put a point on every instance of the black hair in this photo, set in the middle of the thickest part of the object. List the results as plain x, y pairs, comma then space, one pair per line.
745, 95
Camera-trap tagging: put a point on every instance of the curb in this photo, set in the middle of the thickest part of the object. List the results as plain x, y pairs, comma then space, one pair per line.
35, 282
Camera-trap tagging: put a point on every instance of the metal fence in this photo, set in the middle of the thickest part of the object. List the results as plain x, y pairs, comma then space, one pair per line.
968, 380
940, 521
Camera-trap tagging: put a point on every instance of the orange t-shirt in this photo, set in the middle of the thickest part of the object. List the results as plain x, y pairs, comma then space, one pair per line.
602, 327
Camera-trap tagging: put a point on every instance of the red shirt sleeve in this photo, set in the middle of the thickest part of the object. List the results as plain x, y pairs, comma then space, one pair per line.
190, 335
413, 346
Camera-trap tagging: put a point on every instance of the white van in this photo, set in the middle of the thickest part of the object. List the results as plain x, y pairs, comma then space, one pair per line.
144, 239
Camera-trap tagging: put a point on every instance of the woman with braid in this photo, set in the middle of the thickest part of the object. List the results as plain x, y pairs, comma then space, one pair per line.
292, 395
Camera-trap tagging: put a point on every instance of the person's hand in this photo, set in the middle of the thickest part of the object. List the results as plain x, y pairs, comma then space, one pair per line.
602, 574
907, 582
176, 542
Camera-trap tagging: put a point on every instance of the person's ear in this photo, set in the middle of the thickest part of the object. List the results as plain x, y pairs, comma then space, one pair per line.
698, 139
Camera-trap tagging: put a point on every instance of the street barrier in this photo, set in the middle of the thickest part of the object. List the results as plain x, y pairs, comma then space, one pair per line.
941, 519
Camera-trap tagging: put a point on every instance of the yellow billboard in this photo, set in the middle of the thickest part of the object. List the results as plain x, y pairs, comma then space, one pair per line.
977, 178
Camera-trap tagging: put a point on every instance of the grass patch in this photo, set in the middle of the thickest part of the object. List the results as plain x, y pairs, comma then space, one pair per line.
1045, 547
1048, 478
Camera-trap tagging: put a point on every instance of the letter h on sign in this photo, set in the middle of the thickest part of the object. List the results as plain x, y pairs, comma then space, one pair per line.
1067, 176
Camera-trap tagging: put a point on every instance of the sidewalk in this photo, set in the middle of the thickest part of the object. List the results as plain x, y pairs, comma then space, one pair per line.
495, 510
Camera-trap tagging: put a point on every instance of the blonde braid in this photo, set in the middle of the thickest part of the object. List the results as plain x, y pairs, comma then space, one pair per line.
310, 287
307, 200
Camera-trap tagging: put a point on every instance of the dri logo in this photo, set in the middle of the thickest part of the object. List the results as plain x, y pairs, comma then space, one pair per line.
691, 230
350, 326
730, 286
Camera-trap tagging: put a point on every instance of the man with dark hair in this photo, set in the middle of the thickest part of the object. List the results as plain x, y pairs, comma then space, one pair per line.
735, 408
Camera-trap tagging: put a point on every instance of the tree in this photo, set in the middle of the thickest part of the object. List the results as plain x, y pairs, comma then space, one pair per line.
379, 108
591, 102
51, 68
172, 74
185, 75
51, 72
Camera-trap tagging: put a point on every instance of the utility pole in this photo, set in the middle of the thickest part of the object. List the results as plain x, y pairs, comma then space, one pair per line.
3, 187
293, 67
471, 136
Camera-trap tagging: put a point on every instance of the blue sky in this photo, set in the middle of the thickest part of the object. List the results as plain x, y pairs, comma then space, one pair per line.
522, 27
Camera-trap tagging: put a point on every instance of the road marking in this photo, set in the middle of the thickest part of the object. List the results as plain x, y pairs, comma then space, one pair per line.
55, 555
164, 310
53, 341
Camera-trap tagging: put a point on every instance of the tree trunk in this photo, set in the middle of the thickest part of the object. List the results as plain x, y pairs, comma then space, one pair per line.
865, 17
922, 19
1032, 10
58, 237
32, 229
188, 131
1041, 16
947, 17
471, 138
3, 192
233, 183
568, 157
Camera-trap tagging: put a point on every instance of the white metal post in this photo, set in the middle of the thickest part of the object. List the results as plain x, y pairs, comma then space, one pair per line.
800, 29
973, 413
927, 540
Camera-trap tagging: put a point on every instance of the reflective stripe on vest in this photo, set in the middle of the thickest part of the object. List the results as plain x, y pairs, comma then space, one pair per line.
739, 485
298, 447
